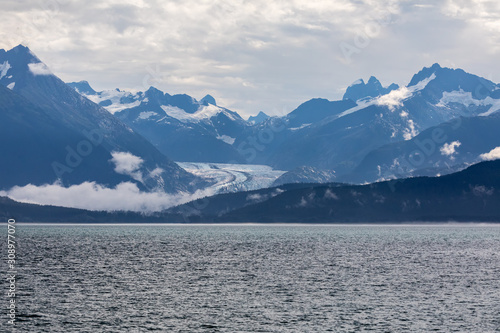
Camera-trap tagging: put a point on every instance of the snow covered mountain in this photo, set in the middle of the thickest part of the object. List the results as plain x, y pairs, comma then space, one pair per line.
178, 125
51, 133
260, 117
439, 150
356, 139
373, 88
338, 135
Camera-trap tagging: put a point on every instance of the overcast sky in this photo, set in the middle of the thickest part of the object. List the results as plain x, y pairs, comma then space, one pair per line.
253, 55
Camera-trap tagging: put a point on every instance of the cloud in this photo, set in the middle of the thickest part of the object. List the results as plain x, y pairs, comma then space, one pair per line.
92, 196
494, 154
257, 197
394, 98
303, 202
330, 195
481, 190
254, 197
254, 55
39, 68
410, 132
449, 149
156, 172
128, 164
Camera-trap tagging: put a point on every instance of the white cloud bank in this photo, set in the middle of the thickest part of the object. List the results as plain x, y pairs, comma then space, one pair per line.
89, 195
39, 68
127, 164
396, 97
494, 154
449, 149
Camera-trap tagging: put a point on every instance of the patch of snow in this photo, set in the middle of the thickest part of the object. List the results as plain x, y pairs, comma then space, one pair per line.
113, 108
301, 127
392, 99
355, 83
39, 68
361, 105
204, 112
4, 68
422, 84
146, 115
494, 108
145, 100
11, 85
115, 96
458, 96
227, 139
465, 98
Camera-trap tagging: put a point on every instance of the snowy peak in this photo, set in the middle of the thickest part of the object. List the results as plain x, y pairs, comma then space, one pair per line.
373, 81
373, 88
454, 80
182, 107
82, 87
424, 73
258, 118
208, 99
22, 58
18, 64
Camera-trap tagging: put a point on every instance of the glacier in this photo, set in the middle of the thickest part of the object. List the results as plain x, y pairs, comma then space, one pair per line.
233, 177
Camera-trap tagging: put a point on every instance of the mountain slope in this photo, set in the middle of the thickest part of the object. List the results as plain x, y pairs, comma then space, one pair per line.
373, 88
178, 125
438, 150
341, 140
306, 175
260, 117
470, 196
77, 140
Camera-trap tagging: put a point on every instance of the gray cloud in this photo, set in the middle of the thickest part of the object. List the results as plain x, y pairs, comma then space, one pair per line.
256, 55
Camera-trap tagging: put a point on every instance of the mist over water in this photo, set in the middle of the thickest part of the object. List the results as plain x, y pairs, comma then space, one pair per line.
272, 278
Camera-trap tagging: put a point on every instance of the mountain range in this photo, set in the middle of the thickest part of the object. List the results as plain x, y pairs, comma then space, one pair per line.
443, 121
179, 126
50, 133
350, 138
471, 195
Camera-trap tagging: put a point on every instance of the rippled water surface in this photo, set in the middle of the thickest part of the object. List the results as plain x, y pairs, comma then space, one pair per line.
257, 278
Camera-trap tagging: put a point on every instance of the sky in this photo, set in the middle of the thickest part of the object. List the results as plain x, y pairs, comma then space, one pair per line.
254, 55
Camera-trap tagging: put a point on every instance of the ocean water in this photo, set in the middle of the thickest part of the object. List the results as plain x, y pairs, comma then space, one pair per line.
246, 278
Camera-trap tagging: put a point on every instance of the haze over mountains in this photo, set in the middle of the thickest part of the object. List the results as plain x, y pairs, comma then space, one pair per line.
66, 135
